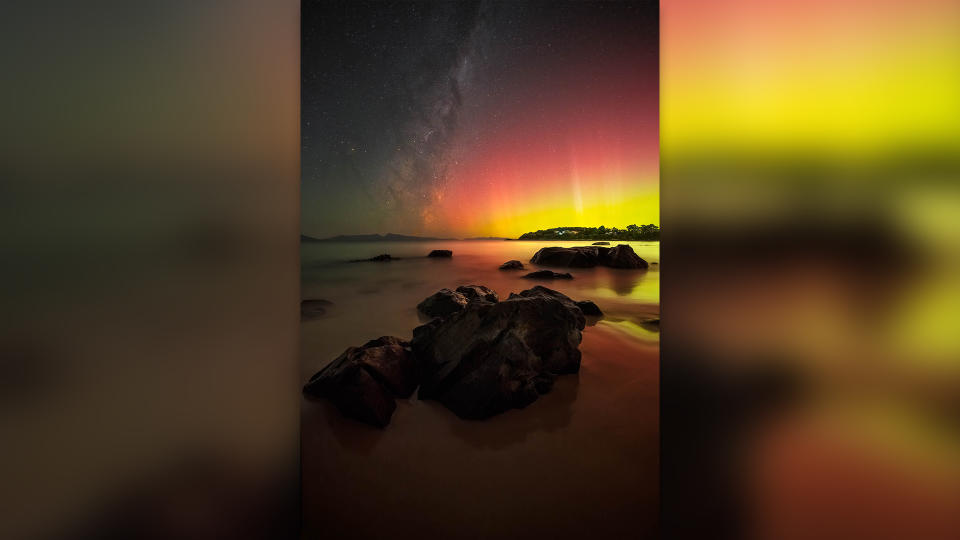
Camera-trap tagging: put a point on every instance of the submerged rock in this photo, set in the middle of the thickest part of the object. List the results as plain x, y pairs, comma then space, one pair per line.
385, 257
620, 256
652, 325
601, 243
547, 274
364, 381
441, 253
314, 307
512, 265
492, 357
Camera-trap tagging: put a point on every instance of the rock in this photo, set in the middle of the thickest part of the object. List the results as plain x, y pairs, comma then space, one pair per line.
478, 292
623, 256
652, 325
512, 265
441, 253
589, 308
311, 308
574, 257
547, 274
364, 381
442, 303
492, 357
379, 258
601, 243
541, 291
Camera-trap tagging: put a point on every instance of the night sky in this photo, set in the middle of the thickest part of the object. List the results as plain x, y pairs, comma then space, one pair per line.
478, 119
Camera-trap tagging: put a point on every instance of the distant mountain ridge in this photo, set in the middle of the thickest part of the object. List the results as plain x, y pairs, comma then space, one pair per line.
389, 237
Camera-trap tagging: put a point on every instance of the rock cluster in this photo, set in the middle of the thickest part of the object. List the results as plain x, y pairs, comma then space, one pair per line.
479, 356
620, 256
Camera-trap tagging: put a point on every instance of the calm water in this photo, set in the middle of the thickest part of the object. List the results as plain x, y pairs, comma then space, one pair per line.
581, 461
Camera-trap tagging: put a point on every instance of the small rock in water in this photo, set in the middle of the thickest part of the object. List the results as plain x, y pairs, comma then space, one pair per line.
314, 307
441, 253
379, 258
512, 265
364, 381
651, 324
601, 243
548, 274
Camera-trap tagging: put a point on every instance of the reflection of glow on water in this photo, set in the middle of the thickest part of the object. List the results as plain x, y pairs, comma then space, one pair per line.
631, 329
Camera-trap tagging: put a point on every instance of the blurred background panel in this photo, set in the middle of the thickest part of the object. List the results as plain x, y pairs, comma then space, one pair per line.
810, 158
149, 220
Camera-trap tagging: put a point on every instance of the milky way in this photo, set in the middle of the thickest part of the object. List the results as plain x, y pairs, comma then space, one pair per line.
477, 118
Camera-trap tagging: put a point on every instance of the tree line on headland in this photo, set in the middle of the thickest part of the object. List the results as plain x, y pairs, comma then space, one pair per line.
649, 232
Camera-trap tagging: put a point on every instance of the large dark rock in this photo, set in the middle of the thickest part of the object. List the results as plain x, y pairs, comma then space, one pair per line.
364, 381
441, 253
492, 357
478, 292
442, 303
620, 256
572, 257
512, 265
623, 256
548, 274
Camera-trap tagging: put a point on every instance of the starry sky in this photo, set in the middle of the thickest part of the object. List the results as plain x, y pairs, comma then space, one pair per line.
478, 118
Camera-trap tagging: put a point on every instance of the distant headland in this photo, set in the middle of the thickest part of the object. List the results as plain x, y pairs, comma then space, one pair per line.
632, 232
389, 237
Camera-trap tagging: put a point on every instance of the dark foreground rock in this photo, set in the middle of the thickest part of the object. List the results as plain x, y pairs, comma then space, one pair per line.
478, 292
363, 382
601, 243
580, 309
446, 302
442, 303
492, 357
547, 274
314, 307
441, 253
512, 265
620, 256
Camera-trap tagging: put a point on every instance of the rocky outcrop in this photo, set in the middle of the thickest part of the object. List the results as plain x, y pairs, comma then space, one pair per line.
620, 256
512, 265
363, 382
492, 357
443, 253
548, 274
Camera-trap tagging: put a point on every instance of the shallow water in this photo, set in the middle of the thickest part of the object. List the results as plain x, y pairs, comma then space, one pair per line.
580, 461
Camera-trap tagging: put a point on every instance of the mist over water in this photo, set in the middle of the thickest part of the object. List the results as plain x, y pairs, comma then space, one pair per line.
594, 437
